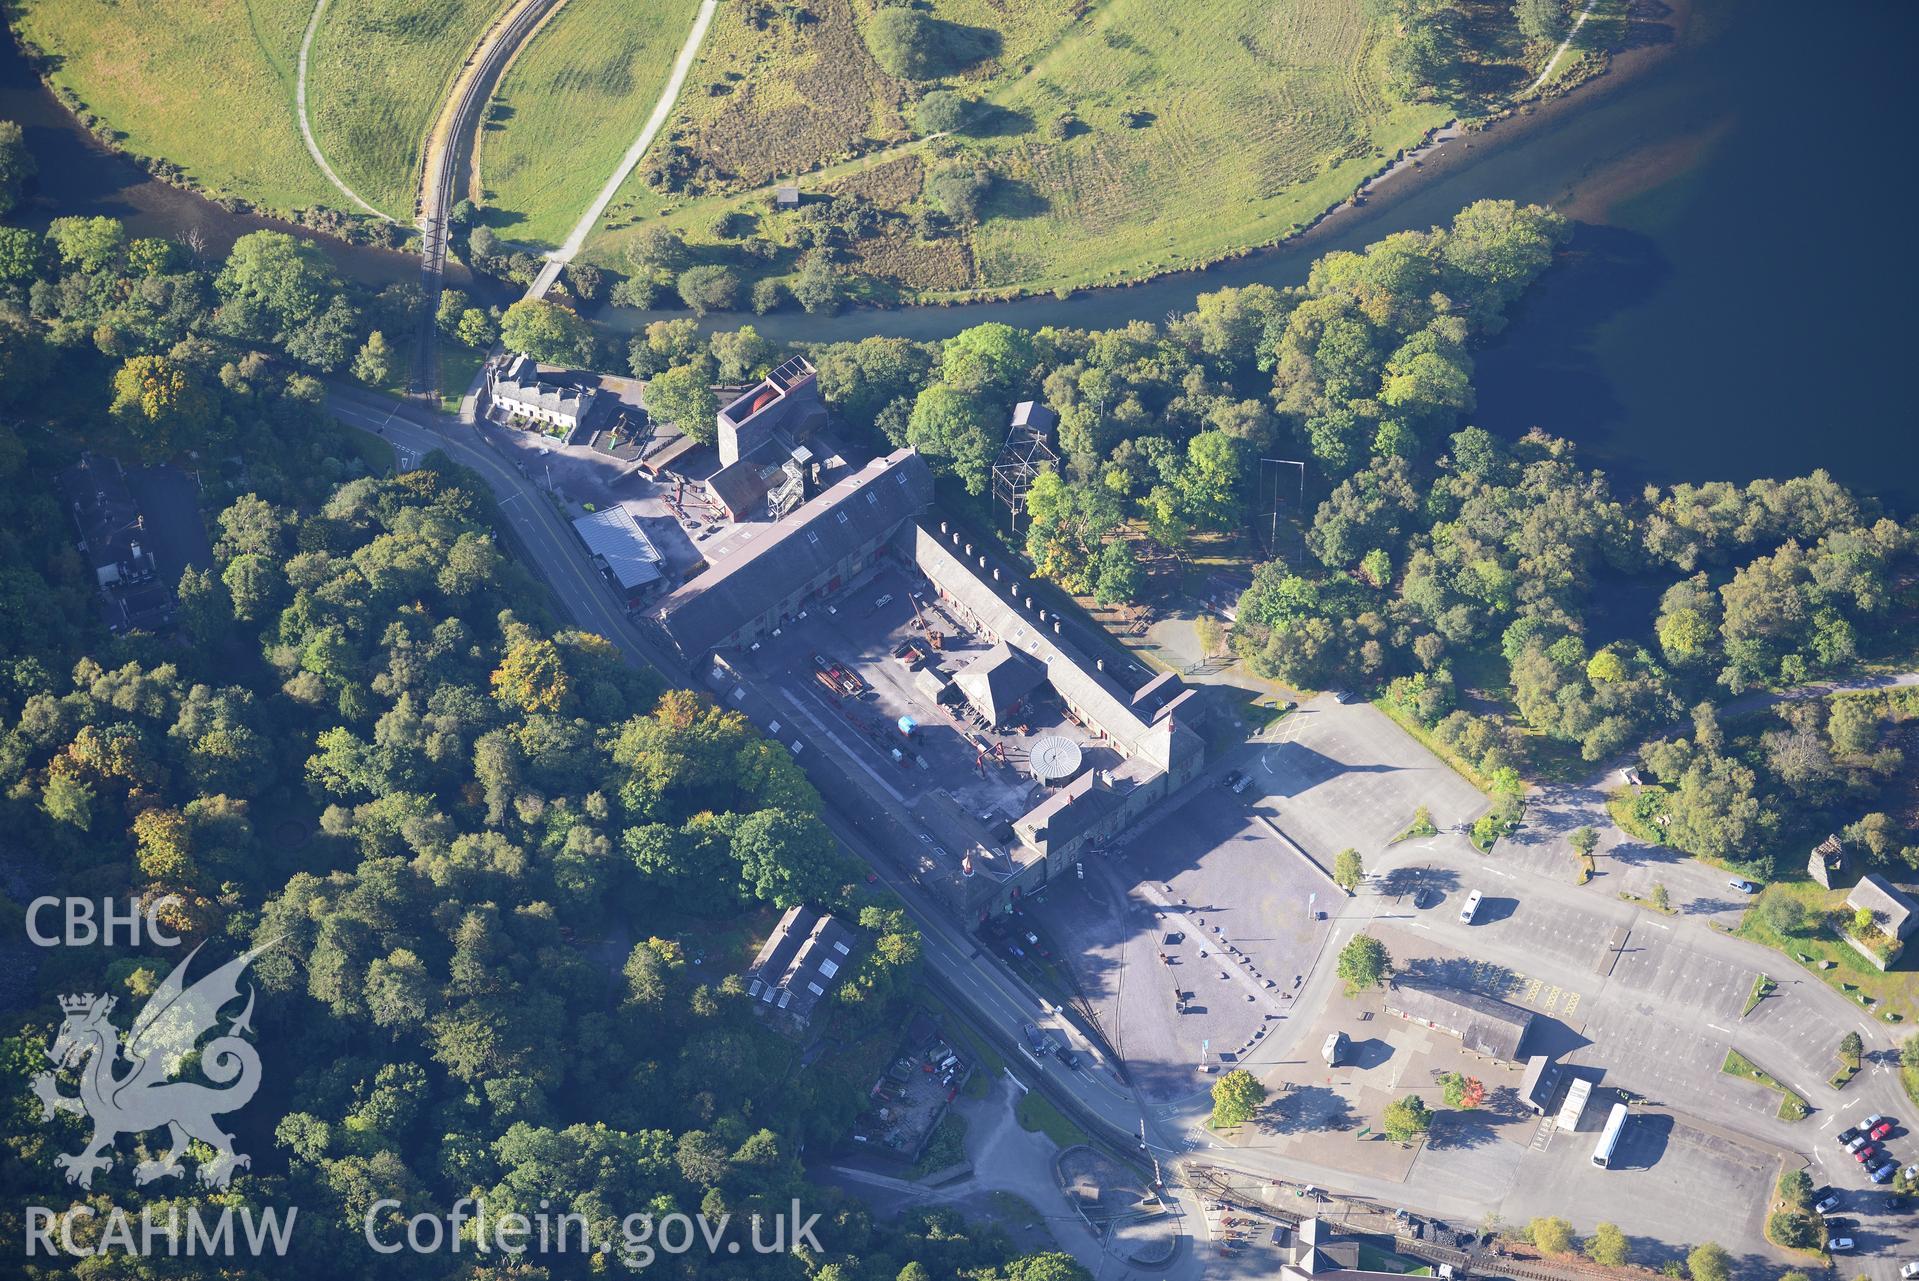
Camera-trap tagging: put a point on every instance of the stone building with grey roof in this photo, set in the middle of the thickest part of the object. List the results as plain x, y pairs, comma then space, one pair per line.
809, 553
802, 960
1894, 914
1147, 746
1485, 1024
520, 389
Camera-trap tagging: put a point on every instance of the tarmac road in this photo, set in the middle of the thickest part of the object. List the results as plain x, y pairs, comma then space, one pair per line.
963, 967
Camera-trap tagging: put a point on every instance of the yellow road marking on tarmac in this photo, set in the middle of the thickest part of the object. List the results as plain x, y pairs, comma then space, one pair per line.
1572, 1003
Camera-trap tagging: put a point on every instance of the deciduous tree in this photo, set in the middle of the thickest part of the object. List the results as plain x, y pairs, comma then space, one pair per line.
1236, 1098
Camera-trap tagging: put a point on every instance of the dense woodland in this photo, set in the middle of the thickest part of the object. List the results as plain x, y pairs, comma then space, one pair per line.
1466, 579
509, 875
509, 879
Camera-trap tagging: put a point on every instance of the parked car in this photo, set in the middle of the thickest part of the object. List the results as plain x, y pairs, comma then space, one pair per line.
1471, 908
1242, 785
1841, 1225
1742, 885
1233, 778
1881, 1130
1828, 1205
1882, 1173
1839, 1245
1847, 1135
1034, 1037
1856, 1142
1912, 1172
1865, 1154
1873, 1120
1066, 1055
1910, 1270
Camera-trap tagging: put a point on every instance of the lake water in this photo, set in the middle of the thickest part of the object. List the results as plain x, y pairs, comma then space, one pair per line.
1728, 308
1731, 304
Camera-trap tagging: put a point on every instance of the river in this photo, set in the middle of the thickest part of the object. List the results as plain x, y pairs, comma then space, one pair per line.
80, 176
1728, 306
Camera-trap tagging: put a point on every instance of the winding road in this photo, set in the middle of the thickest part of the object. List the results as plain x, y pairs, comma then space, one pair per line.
955, 963
1100, 1096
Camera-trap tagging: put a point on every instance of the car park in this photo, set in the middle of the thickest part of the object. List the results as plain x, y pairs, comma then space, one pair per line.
1742, 885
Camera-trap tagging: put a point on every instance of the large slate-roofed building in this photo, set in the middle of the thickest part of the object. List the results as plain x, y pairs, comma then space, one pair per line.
799, 963
812, 551
1486, 1024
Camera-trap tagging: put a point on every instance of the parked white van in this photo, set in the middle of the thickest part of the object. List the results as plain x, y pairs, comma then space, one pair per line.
1468, 912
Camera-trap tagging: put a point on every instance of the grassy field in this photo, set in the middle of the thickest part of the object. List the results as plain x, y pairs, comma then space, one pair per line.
1791, 1106
376, 80
1038, 1114
1891, 997
569, 107
1125, 139
207, 85
1261, 116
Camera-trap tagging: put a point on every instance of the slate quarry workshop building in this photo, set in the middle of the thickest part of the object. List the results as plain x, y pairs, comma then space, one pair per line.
880, 511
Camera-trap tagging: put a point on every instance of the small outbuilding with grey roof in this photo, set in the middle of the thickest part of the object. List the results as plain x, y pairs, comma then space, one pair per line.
1894, 914
621, 549
998, 681
1485, 1024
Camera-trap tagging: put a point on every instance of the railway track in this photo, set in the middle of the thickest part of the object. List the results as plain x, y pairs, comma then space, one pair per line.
440, 166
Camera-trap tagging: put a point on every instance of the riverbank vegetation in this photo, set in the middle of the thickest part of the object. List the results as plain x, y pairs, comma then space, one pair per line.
568, 108
205, 94
503, 881
205, 90
967, 149
1462, 579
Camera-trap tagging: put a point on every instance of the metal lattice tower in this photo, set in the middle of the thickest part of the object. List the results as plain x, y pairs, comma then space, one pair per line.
1026, 453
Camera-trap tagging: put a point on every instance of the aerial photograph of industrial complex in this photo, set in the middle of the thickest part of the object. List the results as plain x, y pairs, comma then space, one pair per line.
958, 640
